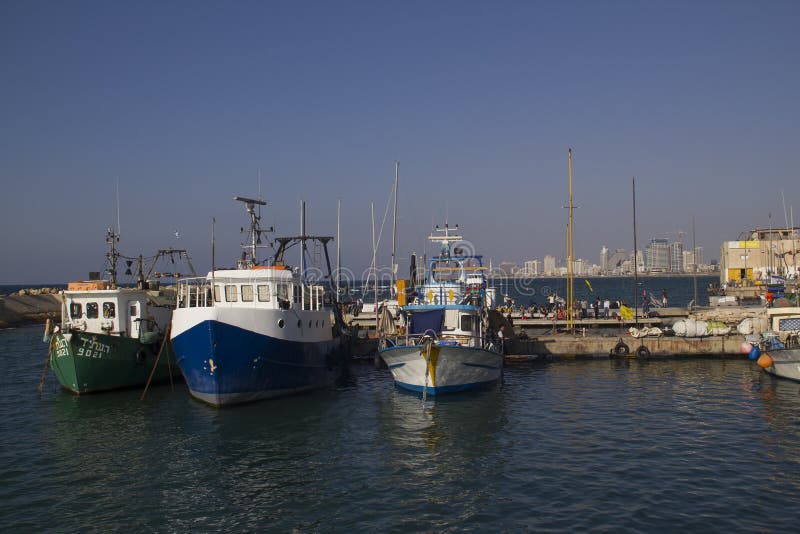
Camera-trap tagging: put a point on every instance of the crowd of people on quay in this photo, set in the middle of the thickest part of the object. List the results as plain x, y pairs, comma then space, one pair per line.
599, 308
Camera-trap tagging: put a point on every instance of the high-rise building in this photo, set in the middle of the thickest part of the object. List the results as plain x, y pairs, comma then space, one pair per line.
549, 265
533, 268
640, 262
614, 263
698, 256
604, 259
676, 257
658, 255
688, 261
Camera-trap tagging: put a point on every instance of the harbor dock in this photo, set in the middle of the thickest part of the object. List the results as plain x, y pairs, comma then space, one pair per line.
532, 339
547, 339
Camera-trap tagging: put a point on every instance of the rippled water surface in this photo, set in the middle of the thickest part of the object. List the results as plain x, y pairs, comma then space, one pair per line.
665, 445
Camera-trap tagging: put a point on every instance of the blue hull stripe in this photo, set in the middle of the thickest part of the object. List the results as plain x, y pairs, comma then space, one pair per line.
224, 364
448, 389
482, 366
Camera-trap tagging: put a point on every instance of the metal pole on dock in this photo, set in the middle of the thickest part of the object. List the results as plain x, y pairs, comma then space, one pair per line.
694, 255
635, 260
570, 256
394, 222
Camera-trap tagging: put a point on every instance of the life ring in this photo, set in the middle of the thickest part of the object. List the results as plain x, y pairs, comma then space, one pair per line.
643, 352
621, 349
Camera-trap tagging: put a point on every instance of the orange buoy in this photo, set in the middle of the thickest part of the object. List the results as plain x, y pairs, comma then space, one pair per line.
764, 361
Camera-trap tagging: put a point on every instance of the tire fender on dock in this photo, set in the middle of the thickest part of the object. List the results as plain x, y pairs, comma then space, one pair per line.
620, 349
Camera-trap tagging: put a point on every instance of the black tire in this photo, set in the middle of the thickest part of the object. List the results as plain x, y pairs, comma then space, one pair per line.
643, 352
142, 355
621, 349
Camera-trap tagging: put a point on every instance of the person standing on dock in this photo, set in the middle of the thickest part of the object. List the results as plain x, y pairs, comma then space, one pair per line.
663, 298
606, 308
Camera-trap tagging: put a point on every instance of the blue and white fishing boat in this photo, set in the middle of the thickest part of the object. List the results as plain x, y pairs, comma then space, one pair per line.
441, 341
260, 330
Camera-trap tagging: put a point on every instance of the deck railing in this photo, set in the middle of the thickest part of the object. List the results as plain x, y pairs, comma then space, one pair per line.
461, 340
194, 293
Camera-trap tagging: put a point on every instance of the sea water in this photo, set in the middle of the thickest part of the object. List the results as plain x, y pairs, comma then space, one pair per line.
661, 445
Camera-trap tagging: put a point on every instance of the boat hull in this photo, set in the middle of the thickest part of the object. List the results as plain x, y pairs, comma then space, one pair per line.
785, 364
85, 362
446, 369
225, 364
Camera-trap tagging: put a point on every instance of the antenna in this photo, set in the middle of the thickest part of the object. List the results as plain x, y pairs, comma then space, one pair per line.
254, 233
119, 230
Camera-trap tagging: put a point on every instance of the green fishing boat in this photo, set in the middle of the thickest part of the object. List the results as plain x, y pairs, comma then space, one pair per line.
114, 337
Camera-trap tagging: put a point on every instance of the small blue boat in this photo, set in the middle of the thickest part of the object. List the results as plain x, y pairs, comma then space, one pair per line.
441, 341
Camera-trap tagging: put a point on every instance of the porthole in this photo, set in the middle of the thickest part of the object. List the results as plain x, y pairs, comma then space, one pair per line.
317, 324
309, 324
281, 324
299, 323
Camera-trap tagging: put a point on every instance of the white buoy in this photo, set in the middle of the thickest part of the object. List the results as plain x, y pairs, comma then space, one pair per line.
46, 336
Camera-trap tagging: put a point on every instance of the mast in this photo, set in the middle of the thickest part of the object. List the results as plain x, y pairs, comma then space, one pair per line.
302, 239
112, 238
213, 267
794, 247
375, 268
394, 222
635, 260
374, 259
570, 254
694, 255
338, 249
254, 234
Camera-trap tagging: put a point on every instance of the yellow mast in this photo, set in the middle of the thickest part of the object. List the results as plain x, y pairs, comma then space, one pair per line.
570, 256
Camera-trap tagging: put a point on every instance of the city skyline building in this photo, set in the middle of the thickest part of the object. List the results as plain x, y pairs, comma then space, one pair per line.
658, 255
549, 265
604, 259
676, 264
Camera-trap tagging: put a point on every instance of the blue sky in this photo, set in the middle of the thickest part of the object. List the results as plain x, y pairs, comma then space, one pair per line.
185, 102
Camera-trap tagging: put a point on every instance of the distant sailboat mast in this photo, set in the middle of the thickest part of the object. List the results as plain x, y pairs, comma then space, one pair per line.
338, 249
570, 258
394, 223
635, 260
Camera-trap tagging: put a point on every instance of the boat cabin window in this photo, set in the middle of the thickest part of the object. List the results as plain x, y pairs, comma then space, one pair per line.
230, 293
296, 293
134, 310
467, 323
109, 310
247, 293
283, 291
75, 310
263, 293
217, 297
92, 310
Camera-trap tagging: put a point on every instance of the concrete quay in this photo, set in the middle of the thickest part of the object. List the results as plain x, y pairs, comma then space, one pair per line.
591, 346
